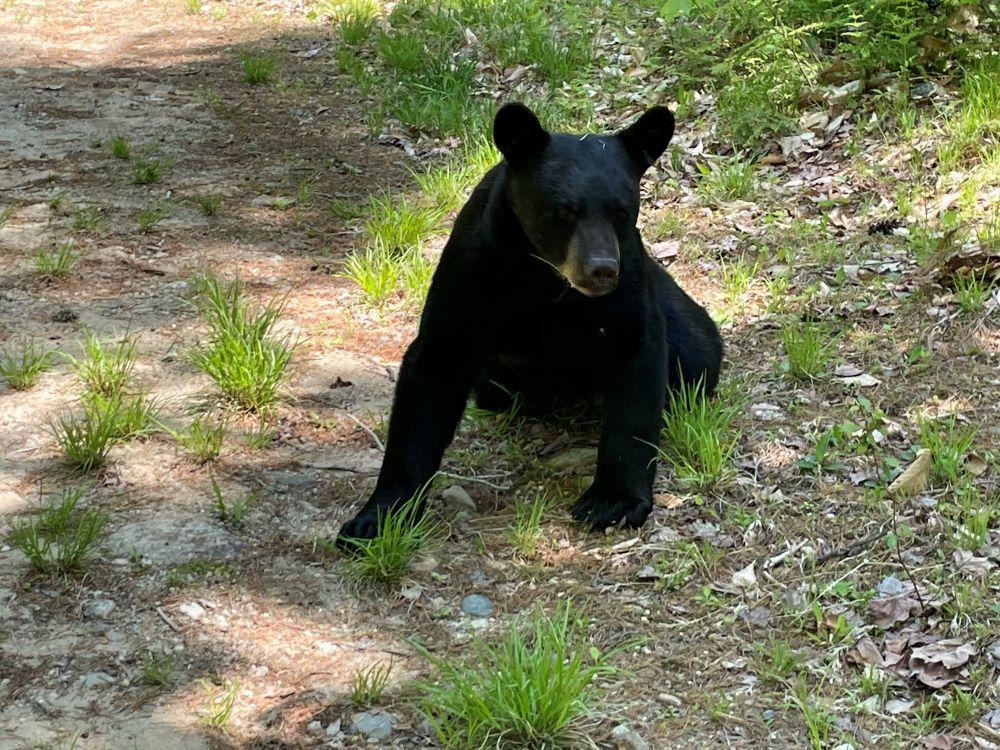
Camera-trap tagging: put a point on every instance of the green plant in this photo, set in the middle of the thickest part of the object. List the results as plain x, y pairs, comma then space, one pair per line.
193, 7
86, 440
531, 690
527, 529
777, 661
5, 213
156, 669
404, 532
737, 277
699, 435
152, 215
972, 515
960, 707
120, 148
807, 348
824, 455
135, 415
243, 355
972, 291
21, 366
398, 225
219, 702
54, 264
444, 186
819, 721
90, 219
209, 203
402, 52
59, 538
104, 369
258, 68
203, 439
146, 170
356, 19
234, 512
728, 180
367, 685
948, 443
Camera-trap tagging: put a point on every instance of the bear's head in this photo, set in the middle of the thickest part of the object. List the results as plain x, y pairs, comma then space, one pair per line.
577, 196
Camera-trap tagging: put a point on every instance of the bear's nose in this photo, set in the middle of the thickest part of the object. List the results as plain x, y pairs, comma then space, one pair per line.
601, 269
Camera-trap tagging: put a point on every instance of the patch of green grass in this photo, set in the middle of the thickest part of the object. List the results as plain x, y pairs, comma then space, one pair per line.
777, 661
87, 438
5, 213
976, 125
971, 515
737, 276
445, 187
948, 443
403, 534
526, 532
345, 210
147, 170
193, 7
55, 264
156, 669
960, 707
258, 68
367, 685
728, 180
58, 540
972, 291
219, 703
355, 20
152, 215
244, 356
808, 346
398, 225
209, 203
22, 365
818, 719
90, 219
401, 51
102, 368
379, 272
699, 434
203, 438
533, 689
120, 148
234, 512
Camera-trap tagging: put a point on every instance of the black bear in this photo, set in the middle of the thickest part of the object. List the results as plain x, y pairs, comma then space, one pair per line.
545, 288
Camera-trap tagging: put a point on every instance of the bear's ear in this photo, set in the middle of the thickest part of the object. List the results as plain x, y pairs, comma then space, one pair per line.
518, 133
647, 137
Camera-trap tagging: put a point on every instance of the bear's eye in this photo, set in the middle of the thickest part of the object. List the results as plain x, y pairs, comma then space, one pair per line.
564, 213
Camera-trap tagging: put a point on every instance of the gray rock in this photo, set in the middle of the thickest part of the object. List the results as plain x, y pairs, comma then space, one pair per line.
373, 726
95, 679
628, 739
192, 609
98, 609
477, 605
172, 541
574, 459
457, 500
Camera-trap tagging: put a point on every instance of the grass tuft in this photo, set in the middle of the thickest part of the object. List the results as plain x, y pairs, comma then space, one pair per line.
152, 215
55, 264
807, 347
209, 203
58, 540
367, 685
948, 443
147, 171
402, 536
104, 369
531, 690
120, 148
258, 69
21, 366
203, 439
729, 180
699, 435
243, 355
527, 530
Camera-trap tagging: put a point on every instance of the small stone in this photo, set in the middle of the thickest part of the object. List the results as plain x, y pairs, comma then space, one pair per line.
333, 728
192, 609
670, 700
373, 726
97, 678
628, 739
98, 609
574, 459
477, 605
457, 500
315, 727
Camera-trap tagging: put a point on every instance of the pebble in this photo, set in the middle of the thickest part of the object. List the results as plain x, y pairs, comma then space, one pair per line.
670, 700
477, 605
457, 500
98, 609
97, 678
192, 609
372, 725
628, 739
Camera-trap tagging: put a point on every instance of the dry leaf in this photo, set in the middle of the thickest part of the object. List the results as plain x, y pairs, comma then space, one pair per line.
746, 578
937, 742
897, 706
866, 652
889, 610
940, 663
914, 479
976, 464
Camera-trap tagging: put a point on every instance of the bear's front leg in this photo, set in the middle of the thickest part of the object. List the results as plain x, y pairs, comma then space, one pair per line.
622, 490
435, 378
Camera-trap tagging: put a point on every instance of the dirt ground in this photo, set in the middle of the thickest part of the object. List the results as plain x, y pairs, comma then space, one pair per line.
260, 603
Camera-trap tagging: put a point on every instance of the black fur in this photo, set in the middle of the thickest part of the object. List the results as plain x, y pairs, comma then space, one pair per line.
545, 287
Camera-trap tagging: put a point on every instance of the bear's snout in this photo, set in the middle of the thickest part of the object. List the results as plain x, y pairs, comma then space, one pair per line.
600, 275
